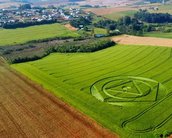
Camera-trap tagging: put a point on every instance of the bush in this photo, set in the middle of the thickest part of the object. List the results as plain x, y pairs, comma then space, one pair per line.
145, 16
92, 46
29, 52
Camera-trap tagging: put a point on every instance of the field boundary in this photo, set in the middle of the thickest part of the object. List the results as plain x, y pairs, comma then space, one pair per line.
142, 41
91, 124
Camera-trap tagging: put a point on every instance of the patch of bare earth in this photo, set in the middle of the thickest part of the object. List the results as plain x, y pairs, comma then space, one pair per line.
68, 26
136, 40
27, 110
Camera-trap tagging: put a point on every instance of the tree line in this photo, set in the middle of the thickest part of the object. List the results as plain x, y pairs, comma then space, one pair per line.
125, 25
145, 16
31, 52
27, 24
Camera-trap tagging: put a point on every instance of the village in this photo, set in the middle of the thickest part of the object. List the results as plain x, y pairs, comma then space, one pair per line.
26, 14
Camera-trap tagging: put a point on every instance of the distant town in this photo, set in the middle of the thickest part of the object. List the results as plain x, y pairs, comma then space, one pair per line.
25, 15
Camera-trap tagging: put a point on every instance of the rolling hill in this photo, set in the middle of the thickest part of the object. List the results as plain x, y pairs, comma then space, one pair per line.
125, 88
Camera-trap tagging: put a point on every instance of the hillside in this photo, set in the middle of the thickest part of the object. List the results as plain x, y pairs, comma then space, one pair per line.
7, 3
86, 68
27, 110
39, 32
123, 87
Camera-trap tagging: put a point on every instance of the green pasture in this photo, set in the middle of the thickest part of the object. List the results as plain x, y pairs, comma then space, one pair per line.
23, 35
125, 88
100, 31
117, 15
97, 18
167, 8
158, 34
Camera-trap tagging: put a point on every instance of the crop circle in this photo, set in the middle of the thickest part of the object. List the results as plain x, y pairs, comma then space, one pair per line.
118, 89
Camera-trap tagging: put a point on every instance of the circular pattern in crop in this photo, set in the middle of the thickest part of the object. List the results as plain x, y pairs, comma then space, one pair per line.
120, 89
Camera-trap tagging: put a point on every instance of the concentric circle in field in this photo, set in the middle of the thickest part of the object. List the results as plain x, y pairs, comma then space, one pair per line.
119, 89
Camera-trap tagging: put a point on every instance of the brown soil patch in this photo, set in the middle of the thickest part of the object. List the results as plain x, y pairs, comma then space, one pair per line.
68, 26
105, 11
27, 110
149, 41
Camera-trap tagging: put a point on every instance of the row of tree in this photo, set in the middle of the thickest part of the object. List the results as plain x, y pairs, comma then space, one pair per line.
145, 16
27, 24
125, 25
92, 46
81, 21
30, 52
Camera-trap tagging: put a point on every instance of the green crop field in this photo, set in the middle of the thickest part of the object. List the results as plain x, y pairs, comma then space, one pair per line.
158, 34
23, 35
127, 89
117, 15
100, 31
164, 9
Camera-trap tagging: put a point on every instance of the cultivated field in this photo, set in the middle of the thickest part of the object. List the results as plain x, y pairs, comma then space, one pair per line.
106, 11
114, 13
158, 34
100, 31
118, 15
126, 88
8, 3
23, 35
136, 40
164, 8
115, 3
27, 110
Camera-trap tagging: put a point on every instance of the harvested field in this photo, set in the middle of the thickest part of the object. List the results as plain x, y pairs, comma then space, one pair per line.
27, 110
136, 40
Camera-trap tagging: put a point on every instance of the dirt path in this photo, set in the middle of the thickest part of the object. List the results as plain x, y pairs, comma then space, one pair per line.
68, 26
149, 41
27, 110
